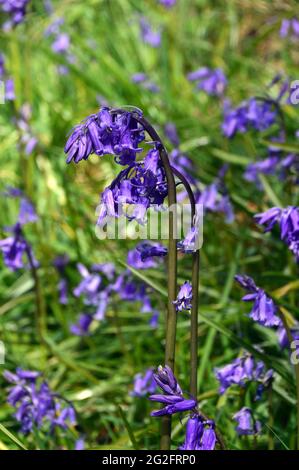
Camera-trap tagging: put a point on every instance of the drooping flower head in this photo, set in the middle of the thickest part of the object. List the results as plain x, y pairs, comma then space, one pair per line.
290, 26
241, 371
213, 82
144, 384
200, 434
15, 248
252, 114
16, 10
184, 298
35, 404
264, 309
81, 328
288, 220
246, 425
105, 133
148, 34
146, 255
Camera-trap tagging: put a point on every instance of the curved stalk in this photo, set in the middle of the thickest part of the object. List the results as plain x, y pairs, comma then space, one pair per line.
172, 269
195, 282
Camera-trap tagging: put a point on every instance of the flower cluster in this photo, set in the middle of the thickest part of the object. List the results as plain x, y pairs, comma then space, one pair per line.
272, 165
252, 114
99, 286
37, 406
61, 43
184, 297
146, 255
246, 424
144, 81
213, 82
15, 248
137, 188
9, 87
148, 34
200, 433
16, 10
144, 384
264, 309
289, 26
288, 220
27, 141
241, 371
167, 3
141, 184
105, 133
173, 396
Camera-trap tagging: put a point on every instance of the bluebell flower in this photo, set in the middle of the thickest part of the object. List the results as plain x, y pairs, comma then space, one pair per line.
264, 310
80, 444
146, 255
171, 133
242, 370
173, 396
144, 384
61, 44
143, 80
167, 3
251, 114
36, 405
246, 425
289, 26
288, 220
213, 82
81, 328
16, 11
184, 297
104, 133
148, 35
15, 248
200, 434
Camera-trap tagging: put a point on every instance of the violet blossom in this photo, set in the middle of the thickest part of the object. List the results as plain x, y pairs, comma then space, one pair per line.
212, 81
241, 371
16, 10
264, 310
144, 384
200, 434
146, 255
246, 424
143, 80
184, 297
288, 220
148, 35
81, 328
289, 26
167, 3
36, 405
14, 248
173, 396
9, 88
251, 114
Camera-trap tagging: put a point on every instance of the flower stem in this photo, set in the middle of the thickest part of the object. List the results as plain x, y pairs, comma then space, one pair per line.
171, 318
195, 281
